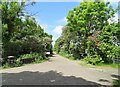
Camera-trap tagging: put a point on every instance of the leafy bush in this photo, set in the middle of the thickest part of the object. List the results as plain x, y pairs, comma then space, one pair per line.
18, 62
38, 60
93, 60
109, 52
116, 83
70, 56
6, 65
36, 56
24, 56
116, 53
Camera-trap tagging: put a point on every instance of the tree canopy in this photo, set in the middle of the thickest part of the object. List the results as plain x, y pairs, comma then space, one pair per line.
20, 32
88, 33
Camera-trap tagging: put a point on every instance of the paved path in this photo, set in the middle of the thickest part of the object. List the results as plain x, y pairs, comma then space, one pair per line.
56, 71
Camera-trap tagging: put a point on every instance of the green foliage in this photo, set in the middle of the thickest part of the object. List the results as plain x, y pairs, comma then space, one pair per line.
113, 65
20, 33
94, 60
36, 56
116, 83
6, 65
69, 56
18, 62
24, 56
89, 35
31, 55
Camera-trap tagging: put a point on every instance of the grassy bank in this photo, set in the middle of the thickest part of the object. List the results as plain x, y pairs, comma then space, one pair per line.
84, 63
101, 65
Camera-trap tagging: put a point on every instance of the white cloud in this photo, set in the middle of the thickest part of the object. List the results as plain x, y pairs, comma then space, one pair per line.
113, 19
63, 20
54, 38
44, 26
39, 22
112, 0
58, 29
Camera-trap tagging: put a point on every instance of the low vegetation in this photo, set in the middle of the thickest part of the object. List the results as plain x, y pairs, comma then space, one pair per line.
116, 83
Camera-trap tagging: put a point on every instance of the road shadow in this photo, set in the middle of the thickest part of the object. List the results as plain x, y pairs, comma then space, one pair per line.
116, 76
42, 78
104, 80
50, 55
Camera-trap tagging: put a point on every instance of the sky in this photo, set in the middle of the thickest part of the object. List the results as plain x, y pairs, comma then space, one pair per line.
52, 15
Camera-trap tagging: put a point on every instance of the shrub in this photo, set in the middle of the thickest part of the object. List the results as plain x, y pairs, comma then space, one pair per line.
36, 56
70, 56
18, 62
109, 52
24, 56
6, 65
94, 60
116, 83
38, 60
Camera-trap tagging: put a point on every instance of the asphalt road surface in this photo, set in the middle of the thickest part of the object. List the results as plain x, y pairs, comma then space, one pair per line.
57, 71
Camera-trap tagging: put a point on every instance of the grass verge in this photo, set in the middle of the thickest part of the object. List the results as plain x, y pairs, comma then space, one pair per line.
83, 63
101, 65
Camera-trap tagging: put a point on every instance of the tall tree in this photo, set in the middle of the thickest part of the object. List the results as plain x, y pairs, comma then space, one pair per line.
20, 32
93, 35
